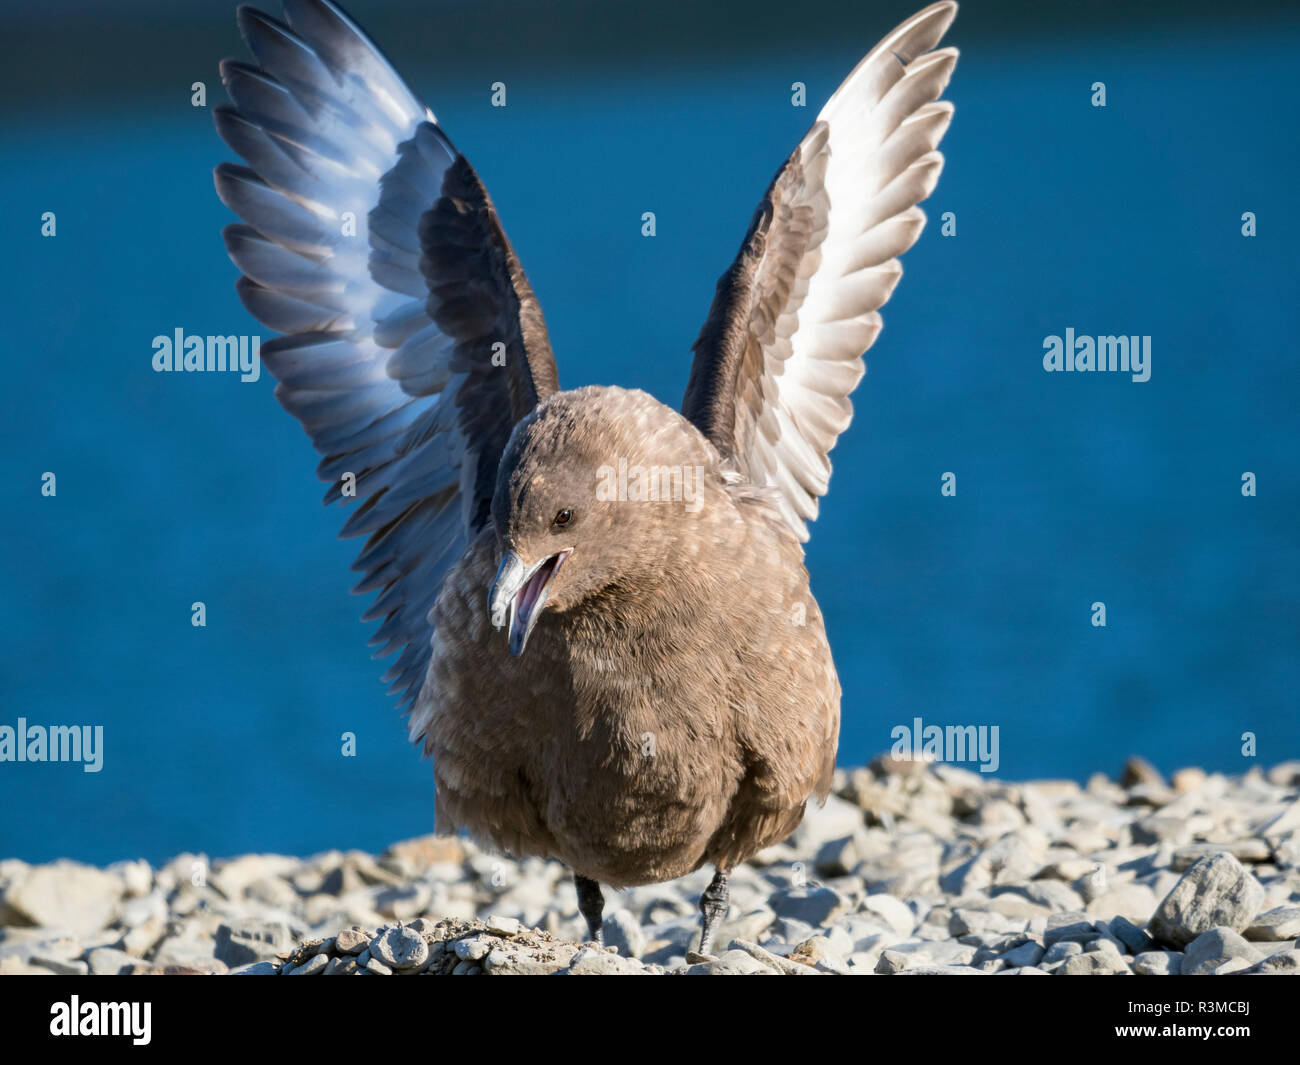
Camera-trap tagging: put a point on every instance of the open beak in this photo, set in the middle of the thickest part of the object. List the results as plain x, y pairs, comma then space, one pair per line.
520, 592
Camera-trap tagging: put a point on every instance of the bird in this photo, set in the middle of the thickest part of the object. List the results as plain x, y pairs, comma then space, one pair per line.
606, 639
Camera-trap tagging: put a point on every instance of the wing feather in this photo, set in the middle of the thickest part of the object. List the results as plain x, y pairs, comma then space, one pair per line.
368, 241
782, 348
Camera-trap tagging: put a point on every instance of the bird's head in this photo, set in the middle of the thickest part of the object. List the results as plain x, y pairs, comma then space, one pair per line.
592, 492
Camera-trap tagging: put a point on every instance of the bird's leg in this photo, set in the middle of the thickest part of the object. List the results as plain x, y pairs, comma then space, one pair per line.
713, 905
591, 904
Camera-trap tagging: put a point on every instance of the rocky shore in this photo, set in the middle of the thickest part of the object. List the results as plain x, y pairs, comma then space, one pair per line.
910, 869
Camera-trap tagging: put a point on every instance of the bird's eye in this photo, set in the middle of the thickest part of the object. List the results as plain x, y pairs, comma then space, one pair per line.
563, 517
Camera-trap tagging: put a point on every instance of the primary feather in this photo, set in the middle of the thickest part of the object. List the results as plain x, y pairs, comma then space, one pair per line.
370, 242
782, 348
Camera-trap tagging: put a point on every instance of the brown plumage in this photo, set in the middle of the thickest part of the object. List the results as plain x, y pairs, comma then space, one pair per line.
664, 695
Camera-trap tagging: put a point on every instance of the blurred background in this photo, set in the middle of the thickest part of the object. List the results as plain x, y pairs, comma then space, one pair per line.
1072, 489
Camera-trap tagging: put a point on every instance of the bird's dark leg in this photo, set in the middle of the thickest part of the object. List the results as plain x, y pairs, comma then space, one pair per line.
713, 905
591, 904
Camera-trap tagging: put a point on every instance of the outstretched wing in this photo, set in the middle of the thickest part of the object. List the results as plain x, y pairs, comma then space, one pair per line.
782, 348
413, 342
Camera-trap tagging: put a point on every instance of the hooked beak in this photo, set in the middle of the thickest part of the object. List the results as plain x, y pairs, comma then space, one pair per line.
520, 592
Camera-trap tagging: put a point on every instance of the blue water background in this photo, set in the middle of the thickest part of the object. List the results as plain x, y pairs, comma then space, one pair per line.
974, 609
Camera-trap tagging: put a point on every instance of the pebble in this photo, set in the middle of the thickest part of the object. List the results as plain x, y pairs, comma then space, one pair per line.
1093, 963
258, 968
60, 966
1026, 954
623, 931
1068, 926
910, 869
400, 947
1207, 953
244, 942
1275, 925
472, 949
812, 905
506, 926
1287, 962
1216, 891
105, 961
313, 966
1247, 850
352, 941
67, 895
1134, 939
1158, 963
893, 911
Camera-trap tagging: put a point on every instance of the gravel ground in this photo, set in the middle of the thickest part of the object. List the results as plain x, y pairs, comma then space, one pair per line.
910, 868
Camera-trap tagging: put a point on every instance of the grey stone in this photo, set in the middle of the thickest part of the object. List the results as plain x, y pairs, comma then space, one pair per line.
1247, 850
1134, 939
1158, 963
1093, 963
772, 961
592, 961
1275, 925
352, 941
1093, 884
732, 963
67, 895
506, 926
1285, 963
60, 966
1061, 950
835, 820
814, 906
500, 962
947, 952
188, 950
789, 930
399, 947
892, 961
1285, 824
621, 929
106, 961
1134, 901
404, 902
1215, 892
1210, 950
1068, 926
893, 911
472, 948
751, 925
1026, 954
964, 922
257, 968
1009, 860
247, 941
313, 966
1104, 945
1052, 893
